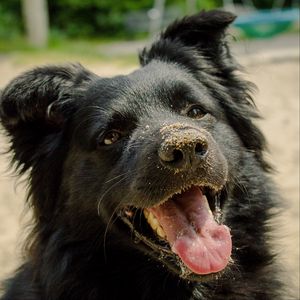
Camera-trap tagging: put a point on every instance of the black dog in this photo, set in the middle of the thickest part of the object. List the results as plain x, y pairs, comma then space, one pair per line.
146, 186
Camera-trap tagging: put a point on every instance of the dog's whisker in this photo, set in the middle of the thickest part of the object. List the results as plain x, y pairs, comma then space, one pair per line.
123, 177
110, 223
107, 191
117, 176
239, 184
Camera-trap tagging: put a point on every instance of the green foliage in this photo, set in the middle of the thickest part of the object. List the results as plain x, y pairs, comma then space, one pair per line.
93, 17
208, 4
106, 17
10, 18
89, 18
98, 18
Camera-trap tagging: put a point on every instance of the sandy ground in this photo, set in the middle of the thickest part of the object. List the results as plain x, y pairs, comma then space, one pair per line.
274, 67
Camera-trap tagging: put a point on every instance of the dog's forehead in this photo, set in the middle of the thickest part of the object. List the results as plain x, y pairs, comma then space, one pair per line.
154, 84
159, 73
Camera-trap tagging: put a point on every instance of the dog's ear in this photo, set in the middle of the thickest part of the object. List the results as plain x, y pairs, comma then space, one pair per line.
43, 95
205, 28
35, 106
202, 34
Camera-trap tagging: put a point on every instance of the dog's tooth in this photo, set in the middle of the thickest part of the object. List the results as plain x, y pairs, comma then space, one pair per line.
146, 213
153, 219
153, 226
150, 217
153, 222
160, 232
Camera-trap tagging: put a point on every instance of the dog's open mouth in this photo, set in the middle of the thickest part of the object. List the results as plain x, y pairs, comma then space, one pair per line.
186, 226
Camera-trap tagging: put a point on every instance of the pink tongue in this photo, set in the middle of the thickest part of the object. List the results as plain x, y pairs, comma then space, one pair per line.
203, 245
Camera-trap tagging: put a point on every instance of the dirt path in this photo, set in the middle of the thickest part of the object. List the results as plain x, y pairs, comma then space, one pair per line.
277, 77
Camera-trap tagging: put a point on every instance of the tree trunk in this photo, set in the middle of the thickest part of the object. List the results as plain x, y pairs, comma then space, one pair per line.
35, 13
156, 17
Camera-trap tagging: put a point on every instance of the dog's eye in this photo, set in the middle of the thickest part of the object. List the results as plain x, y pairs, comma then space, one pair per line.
111, 137
196, 113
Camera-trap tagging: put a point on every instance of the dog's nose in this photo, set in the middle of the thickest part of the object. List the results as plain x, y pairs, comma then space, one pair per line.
182, 149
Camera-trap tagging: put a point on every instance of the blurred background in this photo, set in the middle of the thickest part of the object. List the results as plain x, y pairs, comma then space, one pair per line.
106, 35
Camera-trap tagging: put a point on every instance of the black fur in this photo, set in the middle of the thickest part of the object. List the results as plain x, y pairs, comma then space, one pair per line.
56, 118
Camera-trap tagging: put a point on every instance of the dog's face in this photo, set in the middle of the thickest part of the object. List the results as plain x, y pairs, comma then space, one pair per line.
151, 156
154, 147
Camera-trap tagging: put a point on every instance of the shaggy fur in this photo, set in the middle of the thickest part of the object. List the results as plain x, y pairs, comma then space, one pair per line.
89, 146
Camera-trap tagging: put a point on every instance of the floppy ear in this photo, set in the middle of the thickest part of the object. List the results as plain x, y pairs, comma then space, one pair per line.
201, 33
42, 95
35, 106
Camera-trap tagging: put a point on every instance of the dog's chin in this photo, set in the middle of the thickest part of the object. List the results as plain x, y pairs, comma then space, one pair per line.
179, 240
